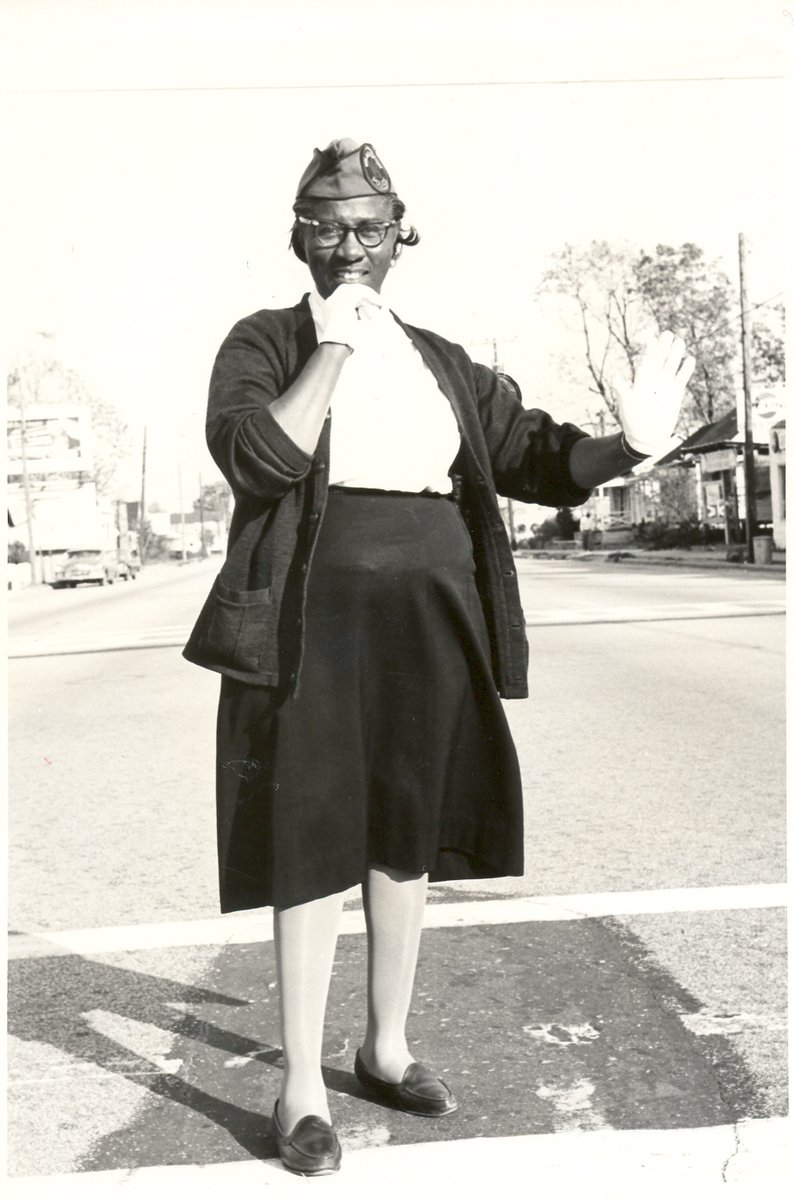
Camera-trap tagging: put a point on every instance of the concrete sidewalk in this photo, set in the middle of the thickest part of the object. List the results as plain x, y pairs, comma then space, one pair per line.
695, 559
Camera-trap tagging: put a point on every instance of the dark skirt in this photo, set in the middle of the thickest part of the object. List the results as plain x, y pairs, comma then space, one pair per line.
396, 750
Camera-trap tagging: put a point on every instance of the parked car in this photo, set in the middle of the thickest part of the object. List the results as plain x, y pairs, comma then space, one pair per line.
86, 566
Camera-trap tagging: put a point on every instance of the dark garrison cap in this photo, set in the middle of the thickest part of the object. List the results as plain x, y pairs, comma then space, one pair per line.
345, 170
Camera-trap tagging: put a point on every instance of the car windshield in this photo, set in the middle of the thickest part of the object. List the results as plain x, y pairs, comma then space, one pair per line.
92, 555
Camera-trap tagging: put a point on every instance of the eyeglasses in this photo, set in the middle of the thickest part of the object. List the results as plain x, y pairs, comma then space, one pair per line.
331, 233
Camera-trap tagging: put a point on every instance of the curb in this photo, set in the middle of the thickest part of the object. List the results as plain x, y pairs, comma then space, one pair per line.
632, 558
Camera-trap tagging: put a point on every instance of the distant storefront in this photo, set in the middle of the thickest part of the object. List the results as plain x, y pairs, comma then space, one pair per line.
703, 479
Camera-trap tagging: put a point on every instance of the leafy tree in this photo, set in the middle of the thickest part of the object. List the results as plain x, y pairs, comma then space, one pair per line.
152, 546
548, 530
40, 377
567, 523
695, 299
216, 498
768, 346
621, 295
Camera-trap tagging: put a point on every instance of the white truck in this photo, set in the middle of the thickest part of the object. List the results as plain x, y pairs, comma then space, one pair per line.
78, 539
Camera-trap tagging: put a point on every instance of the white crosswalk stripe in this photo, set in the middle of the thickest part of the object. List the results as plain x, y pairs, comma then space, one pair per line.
746, 1161
749, 1158
247, 927
88, 642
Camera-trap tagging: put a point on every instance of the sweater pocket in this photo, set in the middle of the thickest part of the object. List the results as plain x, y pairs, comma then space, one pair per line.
240, 634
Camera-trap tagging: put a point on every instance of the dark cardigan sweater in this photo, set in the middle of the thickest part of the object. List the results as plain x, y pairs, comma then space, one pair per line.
251, 626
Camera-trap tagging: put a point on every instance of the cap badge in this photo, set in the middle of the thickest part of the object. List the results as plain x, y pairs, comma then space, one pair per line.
373, 169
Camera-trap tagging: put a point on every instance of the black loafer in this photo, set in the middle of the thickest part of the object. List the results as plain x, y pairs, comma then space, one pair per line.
419, 1091
311, 1149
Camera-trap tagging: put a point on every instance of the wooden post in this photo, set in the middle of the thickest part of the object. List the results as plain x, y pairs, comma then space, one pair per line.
201, 517
34, 568
181, 513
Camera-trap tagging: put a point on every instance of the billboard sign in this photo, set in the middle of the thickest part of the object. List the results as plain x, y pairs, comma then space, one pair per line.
719, 460
57, 440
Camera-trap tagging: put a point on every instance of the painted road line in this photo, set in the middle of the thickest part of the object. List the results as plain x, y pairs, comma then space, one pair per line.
148, 639
94, 642
750, 1159
242, 928
554, 569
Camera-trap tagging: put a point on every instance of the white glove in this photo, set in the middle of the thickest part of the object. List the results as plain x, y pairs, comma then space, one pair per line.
648, 409
345, 311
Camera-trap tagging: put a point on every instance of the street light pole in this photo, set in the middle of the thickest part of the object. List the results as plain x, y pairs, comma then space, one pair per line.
747, 424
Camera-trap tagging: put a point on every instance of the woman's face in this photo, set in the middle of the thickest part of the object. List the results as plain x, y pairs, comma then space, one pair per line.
350, 262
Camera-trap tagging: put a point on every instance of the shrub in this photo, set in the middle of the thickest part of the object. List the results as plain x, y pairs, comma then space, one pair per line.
683, 535
567, 523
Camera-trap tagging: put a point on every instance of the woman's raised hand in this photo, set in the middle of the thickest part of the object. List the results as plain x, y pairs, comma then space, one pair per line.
648, 409
348, 306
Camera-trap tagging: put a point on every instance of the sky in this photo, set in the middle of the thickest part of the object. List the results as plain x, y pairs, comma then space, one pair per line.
155, 150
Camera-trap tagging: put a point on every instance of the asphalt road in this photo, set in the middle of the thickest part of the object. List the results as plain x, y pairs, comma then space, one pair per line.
630, 987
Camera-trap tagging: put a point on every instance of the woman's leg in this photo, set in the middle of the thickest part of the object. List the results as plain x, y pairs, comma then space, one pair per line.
305, 937
394, 903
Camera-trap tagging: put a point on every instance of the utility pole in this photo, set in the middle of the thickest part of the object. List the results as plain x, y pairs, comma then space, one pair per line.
142, 514
201, 517
34, 572
181, 513
747, 424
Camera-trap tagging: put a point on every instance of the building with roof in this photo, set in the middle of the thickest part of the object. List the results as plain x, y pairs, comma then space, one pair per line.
778, 482
701, 479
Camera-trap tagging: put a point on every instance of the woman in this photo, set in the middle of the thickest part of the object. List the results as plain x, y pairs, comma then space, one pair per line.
367, 620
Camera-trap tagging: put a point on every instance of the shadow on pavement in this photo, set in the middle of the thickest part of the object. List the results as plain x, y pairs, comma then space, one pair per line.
538, 1027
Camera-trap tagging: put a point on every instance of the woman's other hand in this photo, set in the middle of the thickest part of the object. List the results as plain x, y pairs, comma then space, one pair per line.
348, 306
648, 409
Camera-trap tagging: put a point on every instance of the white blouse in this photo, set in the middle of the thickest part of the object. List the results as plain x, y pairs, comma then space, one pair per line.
391, 426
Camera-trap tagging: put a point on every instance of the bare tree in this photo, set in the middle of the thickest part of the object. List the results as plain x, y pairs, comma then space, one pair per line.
600, 280
621, 295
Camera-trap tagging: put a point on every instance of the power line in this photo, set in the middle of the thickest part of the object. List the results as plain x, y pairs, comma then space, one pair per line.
739, 314
375, 86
